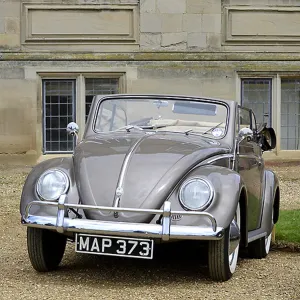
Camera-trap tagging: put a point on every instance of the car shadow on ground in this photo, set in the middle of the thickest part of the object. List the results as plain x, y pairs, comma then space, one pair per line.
174, 262
171, 262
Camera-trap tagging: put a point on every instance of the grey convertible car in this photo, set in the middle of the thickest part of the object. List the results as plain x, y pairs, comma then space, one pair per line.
153, 169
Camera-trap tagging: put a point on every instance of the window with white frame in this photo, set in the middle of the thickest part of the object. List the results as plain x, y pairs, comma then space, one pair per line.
290, 114
98, 86
60, 106
256, 94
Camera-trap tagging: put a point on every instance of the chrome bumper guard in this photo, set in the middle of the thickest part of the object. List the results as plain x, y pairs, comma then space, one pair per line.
164, 231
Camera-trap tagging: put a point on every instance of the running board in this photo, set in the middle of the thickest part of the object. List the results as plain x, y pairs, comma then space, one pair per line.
255, 235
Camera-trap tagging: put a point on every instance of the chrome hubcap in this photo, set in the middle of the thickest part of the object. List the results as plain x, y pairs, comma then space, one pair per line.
232, 258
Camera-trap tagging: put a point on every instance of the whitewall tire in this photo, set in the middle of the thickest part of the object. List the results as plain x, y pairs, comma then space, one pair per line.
221, 263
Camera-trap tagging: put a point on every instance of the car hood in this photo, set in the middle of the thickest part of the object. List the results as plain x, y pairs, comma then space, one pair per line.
146, 166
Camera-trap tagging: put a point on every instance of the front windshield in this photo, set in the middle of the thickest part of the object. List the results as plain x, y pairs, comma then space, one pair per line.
183, 116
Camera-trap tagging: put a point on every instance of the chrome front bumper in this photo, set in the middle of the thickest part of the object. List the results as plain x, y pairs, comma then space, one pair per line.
164, 231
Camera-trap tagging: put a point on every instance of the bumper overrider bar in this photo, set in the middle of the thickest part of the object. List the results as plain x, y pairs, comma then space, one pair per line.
164, 231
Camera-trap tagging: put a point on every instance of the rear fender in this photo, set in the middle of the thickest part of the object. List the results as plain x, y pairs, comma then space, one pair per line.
271, 202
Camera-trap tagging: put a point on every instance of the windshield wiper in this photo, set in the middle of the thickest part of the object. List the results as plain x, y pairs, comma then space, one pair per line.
188, 131
129, 127
142, 127
211, 129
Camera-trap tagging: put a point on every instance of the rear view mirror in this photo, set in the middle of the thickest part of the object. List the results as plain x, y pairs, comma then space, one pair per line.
161, 103
195, 108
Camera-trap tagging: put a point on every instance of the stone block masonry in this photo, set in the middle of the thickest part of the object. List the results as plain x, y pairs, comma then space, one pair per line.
10, 25
180, 25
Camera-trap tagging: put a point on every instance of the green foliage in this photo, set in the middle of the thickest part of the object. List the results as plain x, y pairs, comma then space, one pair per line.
288, 226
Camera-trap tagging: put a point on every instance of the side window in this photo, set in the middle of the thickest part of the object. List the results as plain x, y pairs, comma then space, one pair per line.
253, 121
244, 118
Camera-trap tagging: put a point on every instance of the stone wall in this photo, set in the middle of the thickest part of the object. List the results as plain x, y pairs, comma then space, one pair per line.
149, 25
180, 25
195, 47
10, 25
21, 95
21, 99
215, 25
18, 110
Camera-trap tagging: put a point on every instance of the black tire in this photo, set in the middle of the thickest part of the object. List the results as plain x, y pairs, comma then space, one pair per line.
259, 248
45, 248
220, 268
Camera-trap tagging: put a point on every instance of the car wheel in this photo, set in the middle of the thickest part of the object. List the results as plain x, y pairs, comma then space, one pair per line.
260, 248
221, 262
45, 248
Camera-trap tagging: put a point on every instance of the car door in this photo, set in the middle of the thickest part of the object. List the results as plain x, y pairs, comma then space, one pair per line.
250, 167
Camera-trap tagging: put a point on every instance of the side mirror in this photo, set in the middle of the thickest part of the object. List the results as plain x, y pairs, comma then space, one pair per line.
72, 129
245, 133
267, 139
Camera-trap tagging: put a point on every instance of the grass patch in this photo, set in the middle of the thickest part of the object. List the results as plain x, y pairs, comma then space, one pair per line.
288, 226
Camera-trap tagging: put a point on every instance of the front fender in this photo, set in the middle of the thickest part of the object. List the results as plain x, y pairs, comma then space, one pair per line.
29, 189
227, 184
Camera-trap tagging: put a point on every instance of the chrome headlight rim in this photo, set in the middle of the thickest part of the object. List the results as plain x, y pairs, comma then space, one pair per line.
209, 200
38, 184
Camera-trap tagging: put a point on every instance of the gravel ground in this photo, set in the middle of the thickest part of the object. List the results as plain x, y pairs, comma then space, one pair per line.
177, 275
289, 180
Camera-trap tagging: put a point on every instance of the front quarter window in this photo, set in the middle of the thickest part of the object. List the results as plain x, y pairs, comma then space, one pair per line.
244, 118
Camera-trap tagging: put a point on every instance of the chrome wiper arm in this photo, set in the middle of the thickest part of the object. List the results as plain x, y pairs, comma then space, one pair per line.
143, 127
210, 129
129, 127
188, 131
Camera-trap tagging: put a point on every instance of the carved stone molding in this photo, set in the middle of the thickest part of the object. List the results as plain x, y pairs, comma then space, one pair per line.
261, 25
49, 26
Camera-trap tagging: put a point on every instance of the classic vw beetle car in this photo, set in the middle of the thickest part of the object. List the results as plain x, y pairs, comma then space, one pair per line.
151, 169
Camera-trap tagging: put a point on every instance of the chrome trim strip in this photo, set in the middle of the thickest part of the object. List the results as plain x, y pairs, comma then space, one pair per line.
120, 185
256, 237
165, 231
248, 156
215, 158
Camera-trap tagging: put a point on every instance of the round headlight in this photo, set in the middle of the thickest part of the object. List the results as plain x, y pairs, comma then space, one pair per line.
52, 184
196, 194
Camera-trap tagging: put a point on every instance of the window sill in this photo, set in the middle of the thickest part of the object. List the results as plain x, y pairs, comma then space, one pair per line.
44, 157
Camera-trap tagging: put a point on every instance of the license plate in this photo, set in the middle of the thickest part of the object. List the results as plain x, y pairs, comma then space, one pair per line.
114, 246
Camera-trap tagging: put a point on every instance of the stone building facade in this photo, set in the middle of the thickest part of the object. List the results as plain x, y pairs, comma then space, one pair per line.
56, 54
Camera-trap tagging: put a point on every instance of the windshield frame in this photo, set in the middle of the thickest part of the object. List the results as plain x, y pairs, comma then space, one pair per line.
156, 97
